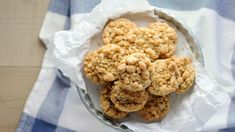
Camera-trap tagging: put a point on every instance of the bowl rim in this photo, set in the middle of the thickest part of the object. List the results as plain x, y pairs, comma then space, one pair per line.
194, 46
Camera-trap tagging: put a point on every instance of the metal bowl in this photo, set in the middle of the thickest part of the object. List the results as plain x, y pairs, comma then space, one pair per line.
193, 46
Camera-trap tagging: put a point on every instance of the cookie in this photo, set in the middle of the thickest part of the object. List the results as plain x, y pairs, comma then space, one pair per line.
88, 67
187, 72
134, 72
128, 47
116, 30
166, 77
100, 66
128, 101
108, 107
142, 40
166, 37
156, 108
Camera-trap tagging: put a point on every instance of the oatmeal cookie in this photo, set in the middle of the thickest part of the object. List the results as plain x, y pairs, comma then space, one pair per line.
128, 101
108, 107
115, 30
166, 37
127, 46
156, 108
166, 77
134, 72
100, 66
142, 40
187, 73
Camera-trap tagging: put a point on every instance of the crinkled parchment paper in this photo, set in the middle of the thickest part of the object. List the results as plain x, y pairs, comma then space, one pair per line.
188, 112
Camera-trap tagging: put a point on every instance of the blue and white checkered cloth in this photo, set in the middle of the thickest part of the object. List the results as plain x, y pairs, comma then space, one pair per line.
54, 105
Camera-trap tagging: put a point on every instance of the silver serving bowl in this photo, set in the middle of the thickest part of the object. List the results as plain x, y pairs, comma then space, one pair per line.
193, 46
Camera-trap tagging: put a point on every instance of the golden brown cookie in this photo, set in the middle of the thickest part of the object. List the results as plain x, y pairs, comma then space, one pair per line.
166, 77
88, 67
134, 72
128, 47
100, 66
142, 40
156, 108
116, 30
108, 107
187, 72
166, 37
128, 101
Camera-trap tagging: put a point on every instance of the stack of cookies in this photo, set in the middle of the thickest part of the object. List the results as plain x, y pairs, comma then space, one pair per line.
138, 69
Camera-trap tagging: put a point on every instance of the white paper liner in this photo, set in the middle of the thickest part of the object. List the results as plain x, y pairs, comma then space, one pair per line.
188, 112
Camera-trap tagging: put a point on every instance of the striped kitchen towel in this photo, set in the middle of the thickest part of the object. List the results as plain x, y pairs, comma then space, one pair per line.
54, 105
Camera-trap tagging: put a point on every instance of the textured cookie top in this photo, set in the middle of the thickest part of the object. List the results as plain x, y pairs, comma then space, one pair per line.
156, 108
129, 49
187, 73
142, 40
134, 72
101, 65
166, 38
128, 101
166, 77
107, 106
116, 30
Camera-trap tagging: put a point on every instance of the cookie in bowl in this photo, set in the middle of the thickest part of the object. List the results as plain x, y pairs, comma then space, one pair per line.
107, 105
128, 101
166, 38
166, 78
100, 66
156, 108
134, 72
116, 30
187, 73
142, 40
